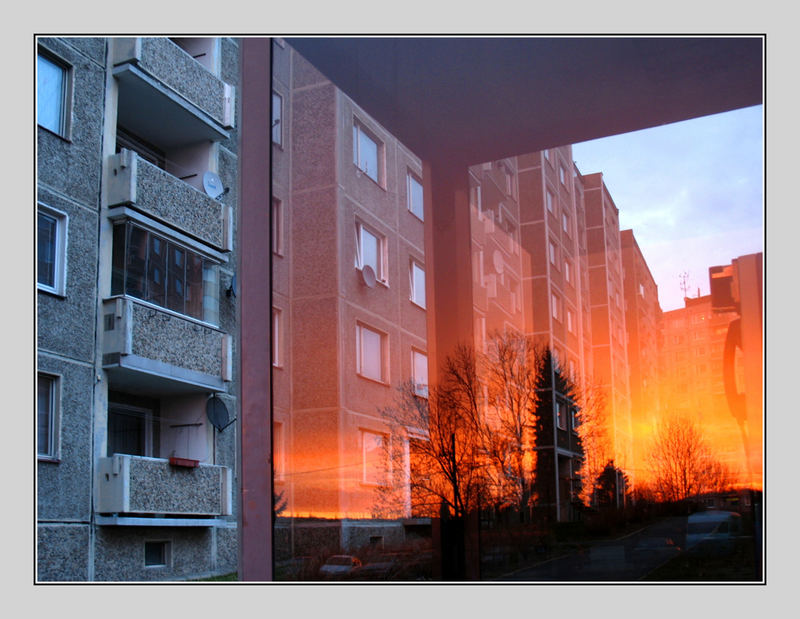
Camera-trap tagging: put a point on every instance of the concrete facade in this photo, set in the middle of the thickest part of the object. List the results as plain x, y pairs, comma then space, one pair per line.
130, 352
642, 323
333, 215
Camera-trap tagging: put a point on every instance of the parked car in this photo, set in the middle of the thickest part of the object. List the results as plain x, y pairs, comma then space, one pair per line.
339, 566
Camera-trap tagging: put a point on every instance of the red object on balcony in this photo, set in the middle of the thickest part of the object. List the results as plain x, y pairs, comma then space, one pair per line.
185, 462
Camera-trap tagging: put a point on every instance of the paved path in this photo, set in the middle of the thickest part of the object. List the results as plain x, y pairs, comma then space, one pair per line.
628, 558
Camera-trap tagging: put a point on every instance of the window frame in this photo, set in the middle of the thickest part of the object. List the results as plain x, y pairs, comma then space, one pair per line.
360, 128
66, 96
381, 272
277, 223
554, 252
555, 306
166, 551
279, 117
420, 389
209, 315
414, 267
151, 427
384, 458
52, 453
276, 347
561, 415
550, 201
411, 179
59, 285
360, 356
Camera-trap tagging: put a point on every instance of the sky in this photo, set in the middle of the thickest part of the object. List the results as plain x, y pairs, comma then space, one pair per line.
691, 191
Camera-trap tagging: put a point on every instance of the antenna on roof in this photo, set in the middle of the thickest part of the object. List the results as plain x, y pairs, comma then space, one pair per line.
684, 277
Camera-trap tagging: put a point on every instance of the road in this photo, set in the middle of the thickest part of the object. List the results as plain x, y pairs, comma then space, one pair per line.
628, 558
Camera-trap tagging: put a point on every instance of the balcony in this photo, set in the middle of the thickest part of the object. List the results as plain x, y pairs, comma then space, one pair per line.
149, 189
166, 96
140, 490
153, 351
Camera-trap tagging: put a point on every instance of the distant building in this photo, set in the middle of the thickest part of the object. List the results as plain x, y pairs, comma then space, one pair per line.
692, 383
606, 294
642, 325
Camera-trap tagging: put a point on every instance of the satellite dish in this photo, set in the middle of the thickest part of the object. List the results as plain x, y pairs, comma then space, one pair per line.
218, 413
212, 184
497, 260
368, 276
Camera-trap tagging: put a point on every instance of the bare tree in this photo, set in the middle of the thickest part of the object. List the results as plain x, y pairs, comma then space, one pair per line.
593, 430
509, 371
445, 454
681, 463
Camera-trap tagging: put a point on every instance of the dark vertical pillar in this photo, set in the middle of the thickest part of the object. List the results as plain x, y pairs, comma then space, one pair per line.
253, 234
448, 261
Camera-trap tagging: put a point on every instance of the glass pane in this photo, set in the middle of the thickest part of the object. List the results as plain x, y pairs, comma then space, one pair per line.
415, 197
210, 292
277, 129
419, 285
44, 418
371, 365
369, 252
374, 458
118, 260
176, 278
157, 271
368, 155
50, 81
126, 432
194, 285
136, 267
421, 373
46, 249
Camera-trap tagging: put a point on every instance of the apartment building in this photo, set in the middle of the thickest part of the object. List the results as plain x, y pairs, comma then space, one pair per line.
137, 317
692, 380
349, 311
642, 325
606, 298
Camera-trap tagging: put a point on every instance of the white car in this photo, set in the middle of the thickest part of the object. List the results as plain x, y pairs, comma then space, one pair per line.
339, 565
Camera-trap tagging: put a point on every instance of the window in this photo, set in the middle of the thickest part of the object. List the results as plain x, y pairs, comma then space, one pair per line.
277, 227
419, 367
553, 253
641, 290
366, 152
46, 415
549, 198
154, 269
555, 306
574, 419
277, 119
415, 197
157, 554
565, 222
51, 247
277, 337
546, 152
52, 94
370, 353
417, 284
509, 186
475, 196
370, 251
562, 175
567, 271
133, 427
375, 457
561, 415
570, 322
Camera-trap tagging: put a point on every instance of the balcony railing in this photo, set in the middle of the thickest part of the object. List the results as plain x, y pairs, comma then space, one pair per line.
136, 182
154, 350
136, 485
